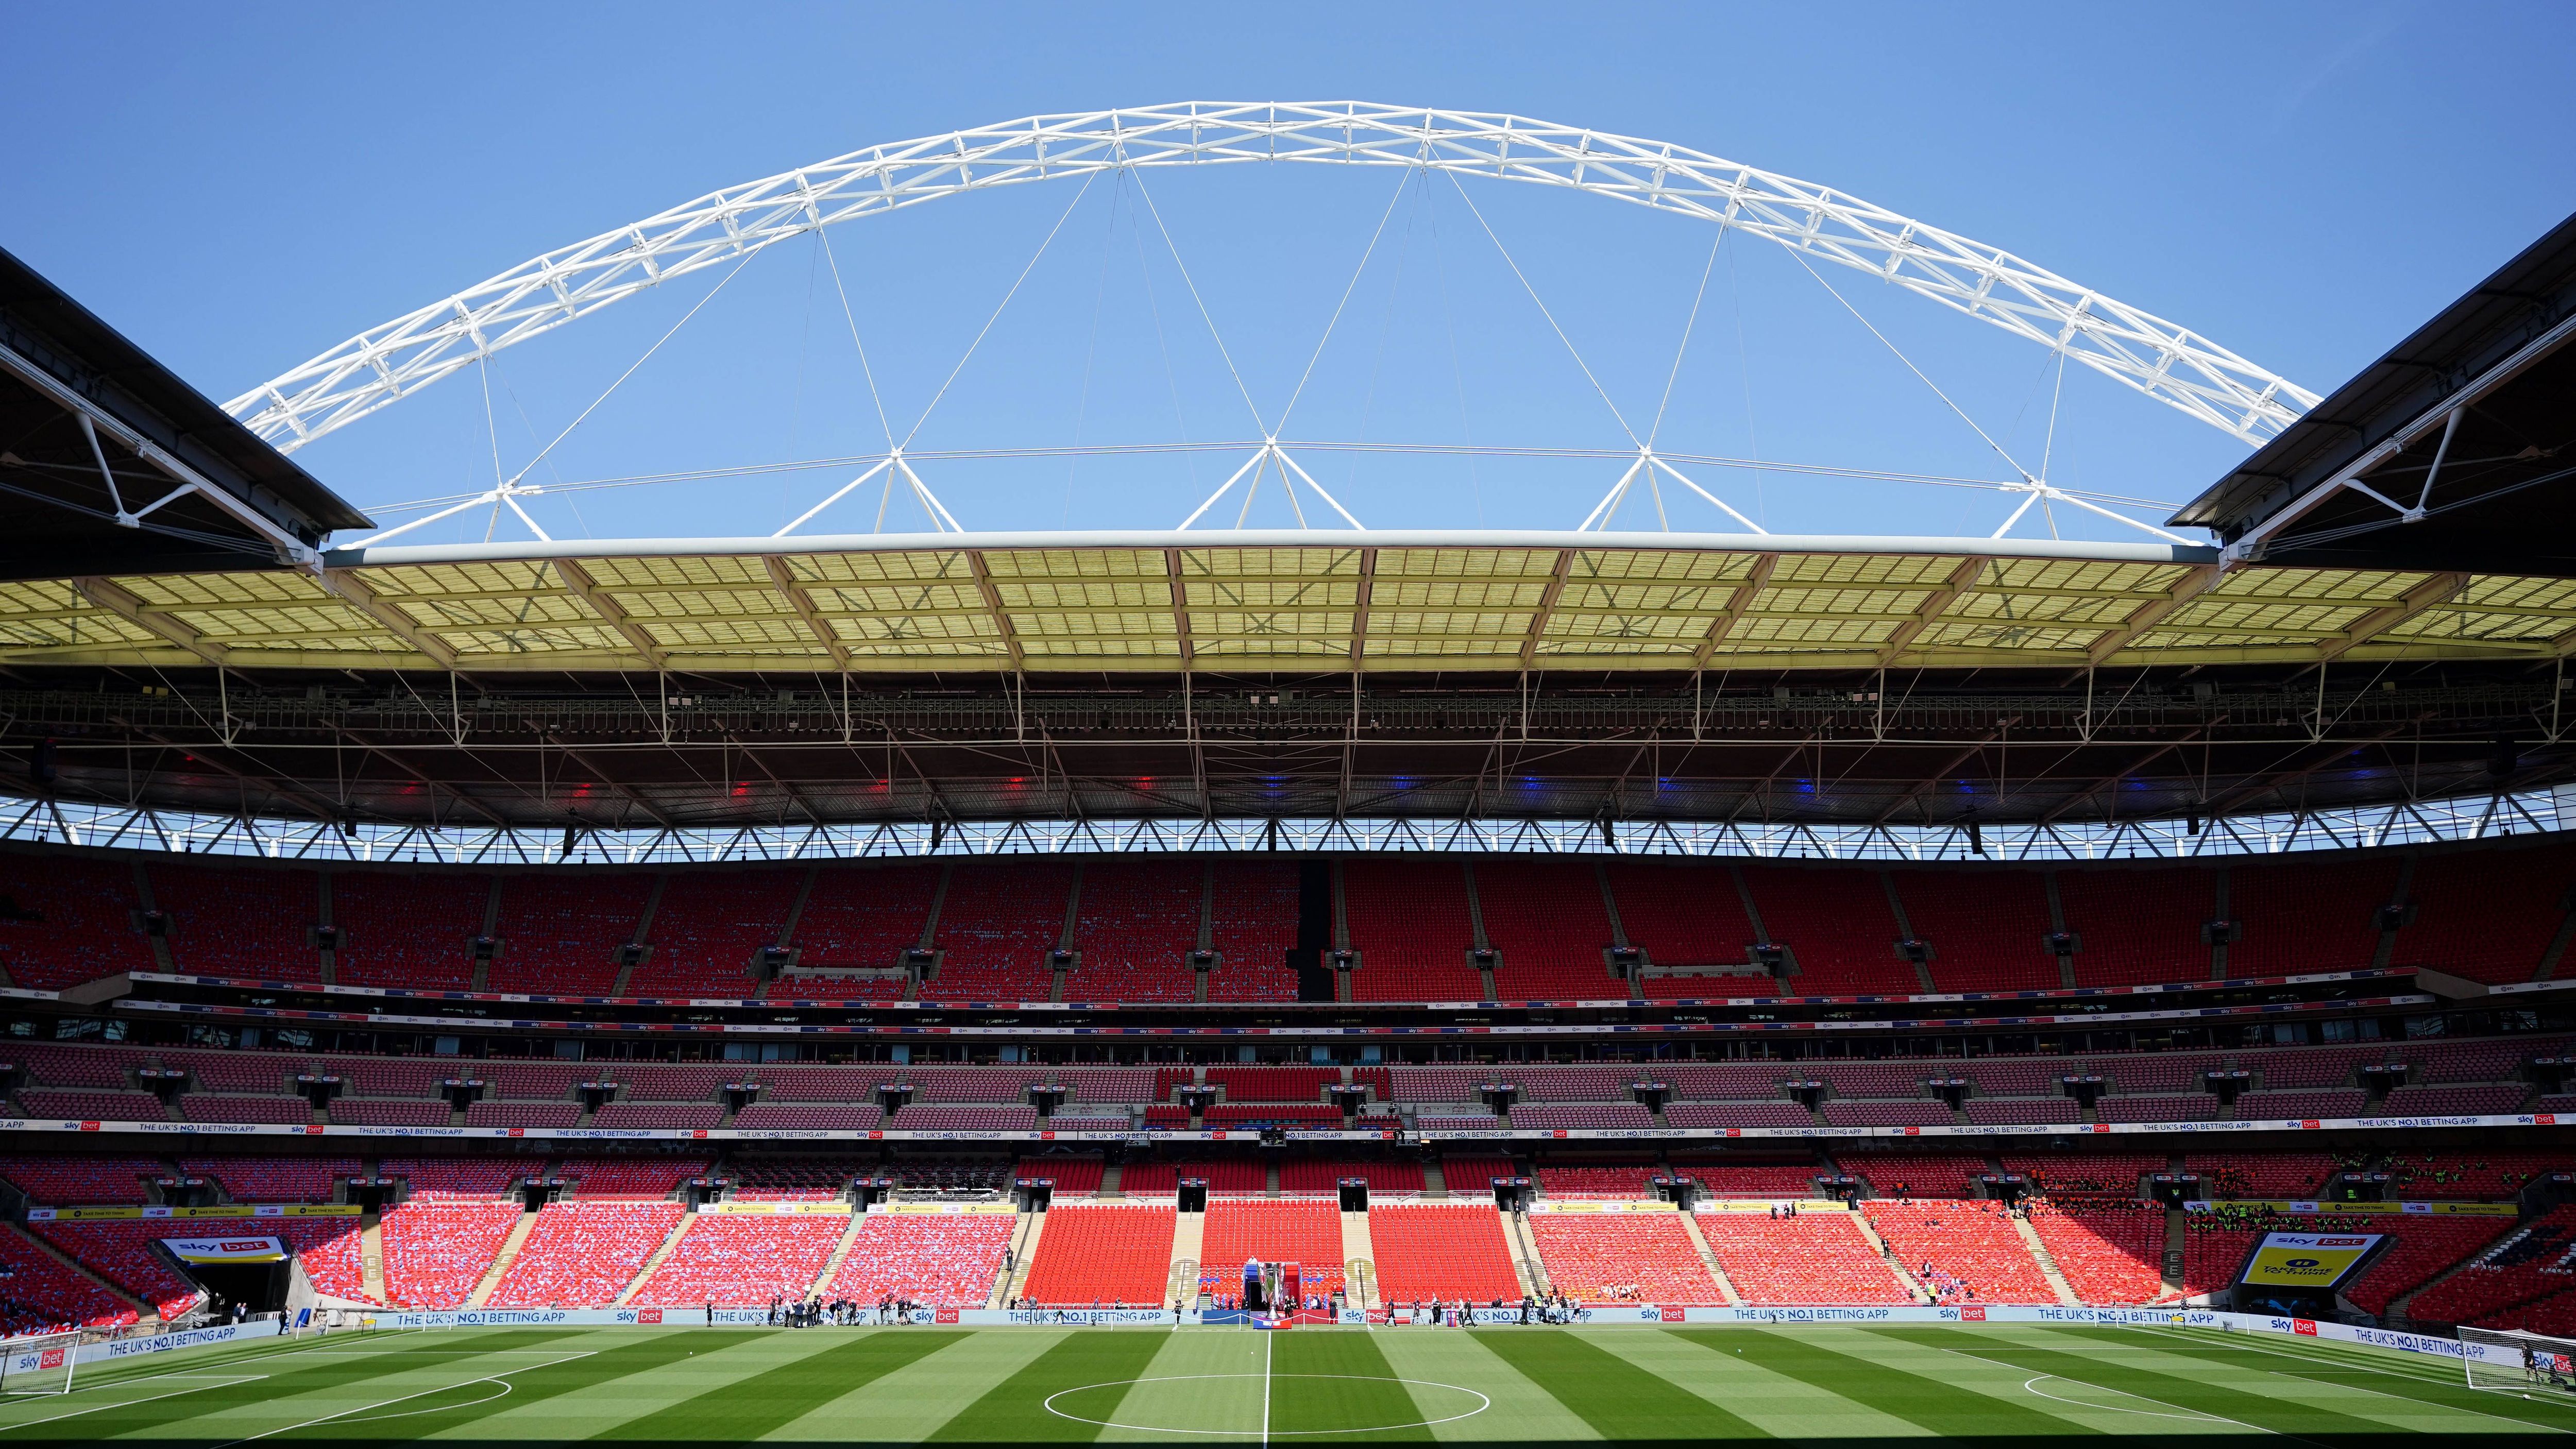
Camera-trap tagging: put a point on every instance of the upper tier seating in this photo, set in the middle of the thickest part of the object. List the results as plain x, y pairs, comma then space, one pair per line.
1252, 926
1008, 1085
997, 925
1606, 1257
407, 929
199, 1107
1225, 1115
709, 927
1408, 921
787, 1116
1136, 924
436, 1252
1987, 928
1102, 1253
1429, 1250
1634, 1182
2180, 1107
1545, 916
1966, 1252
1681, 913
1918, 1112
2306, 916
2276, 1176
743, 1260
947, 1260
83, 1181
523, 1114
1814, 1257
1837, 924
1738, 1114
864, 915
1273, 1084
664, 1115
2109, 1251
655, 1082
1983, 1111
780, 1083
560, 933
1731, 1180
2139, 926
2282, 1106
46, 1297
240, 922
74, 921
122, 1253
275, 1179
1578, 1084
1304, 1231
1583, 1114
2488, 915
963, 1119
583, 1254
2458, 1099
1108, 1084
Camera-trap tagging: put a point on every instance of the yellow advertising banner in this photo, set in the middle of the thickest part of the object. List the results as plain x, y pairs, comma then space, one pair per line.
195, 1214
2307, 1260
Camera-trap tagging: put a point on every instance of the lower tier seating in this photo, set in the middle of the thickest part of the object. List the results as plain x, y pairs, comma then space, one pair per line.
947, 1260
2527, 1264
744, 1260
123, 1253
332, 1251
436, 1252
1102, 1254
2110, 1251
1304, 1231
1964, 1251
583, 1254
43, 1296
1814, 1257
1427, 1250
1608, 1257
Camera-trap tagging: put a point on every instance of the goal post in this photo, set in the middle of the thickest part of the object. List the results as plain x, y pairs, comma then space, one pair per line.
2529, 1364
38, 1365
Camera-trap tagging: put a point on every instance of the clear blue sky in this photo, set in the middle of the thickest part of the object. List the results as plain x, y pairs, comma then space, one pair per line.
238, 187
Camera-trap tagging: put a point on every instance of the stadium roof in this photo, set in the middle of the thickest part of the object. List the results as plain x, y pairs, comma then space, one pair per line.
1297, 602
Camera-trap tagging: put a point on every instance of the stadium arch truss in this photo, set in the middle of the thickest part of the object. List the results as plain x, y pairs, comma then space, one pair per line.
2159, 358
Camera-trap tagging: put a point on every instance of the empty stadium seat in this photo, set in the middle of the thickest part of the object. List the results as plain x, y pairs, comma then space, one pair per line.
743, 1260
1428, 1250
1097, 1253
947, 1260
1607, 1257
437, 1250
1814, 1257
1964, 1251
583, 1254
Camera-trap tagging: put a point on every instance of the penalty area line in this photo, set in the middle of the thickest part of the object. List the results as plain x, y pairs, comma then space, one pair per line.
404, 1399
128, 1403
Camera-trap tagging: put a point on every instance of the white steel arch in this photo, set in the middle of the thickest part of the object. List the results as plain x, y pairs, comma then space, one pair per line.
2159, 358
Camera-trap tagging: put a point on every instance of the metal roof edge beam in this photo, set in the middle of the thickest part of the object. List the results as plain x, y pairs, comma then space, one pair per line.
123, 603
578, 583
993, 605
1961, 579
803, 603
354, 591
2414, 601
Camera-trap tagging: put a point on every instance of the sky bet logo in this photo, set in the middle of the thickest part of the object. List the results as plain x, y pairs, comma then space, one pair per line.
2341, 1242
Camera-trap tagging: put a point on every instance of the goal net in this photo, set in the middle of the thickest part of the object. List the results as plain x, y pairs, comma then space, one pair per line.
39, 1365
2529, 1364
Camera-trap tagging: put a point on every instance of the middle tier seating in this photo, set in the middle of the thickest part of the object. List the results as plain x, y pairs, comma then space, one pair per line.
947, 1260
1901, 1175
83, 1181
1609, 1257
1446, 1251
275, 1179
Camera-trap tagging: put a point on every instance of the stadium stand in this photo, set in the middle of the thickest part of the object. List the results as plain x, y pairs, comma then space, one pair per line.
1583, 1114
631, 1176
43, 1296
2139, 925
1273, 1084
523, 1114
438, 1249
1635, 1182
2110, 1250
83, 1181
199, 1107
708, 929
1681, 914
1102, 1253
947, 1260
1073, 1176
1252, 926
1987, 928
2469, 1176
93, 1106
1610, 1257
864, 915
412, 931
360, 1112
241, 922
1903, 1175
2300, 916
2528, 1263
664, 1115
1430, 1250
2487, 915
795, 1179
1303, 1231
2085, 1175
1918, 1112
1546, 918
458, 1178
997, 925
743, 1260
1735, 1180
124, 1255
1473, 1174
1813, 1257
1135, 926
1309, 1175
331, 1251
1408, 921
1964, 1252
2292, 1106
788, 1116
1738, 1114
583, 1254
559, 934
2277, 1176
275, 1179
963, 1119
1838, 925
73, 921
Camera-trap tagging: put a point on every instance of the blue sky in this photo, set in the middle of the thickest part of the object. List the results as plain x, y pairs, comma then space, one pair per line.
239, 187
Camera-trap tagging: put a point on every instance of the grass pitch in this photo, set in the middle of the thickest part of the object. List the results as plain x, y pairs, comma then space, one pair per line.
1994, 1383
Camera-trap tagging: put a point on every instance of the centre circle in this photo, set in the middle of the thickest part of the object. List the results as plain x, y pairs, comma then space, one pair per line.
1464, 1395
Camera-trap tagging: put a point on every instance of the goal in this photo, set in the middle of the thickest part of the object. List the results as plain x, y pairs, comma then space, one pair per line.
38, 1365
2529, 1364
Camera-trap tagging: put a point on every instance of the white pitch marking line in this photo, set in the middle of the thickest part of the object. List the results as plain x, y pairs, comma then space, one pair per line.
147, 1398
2423, 1404
1267, 1345
1483, 1402
2106, 1388
401, 1398
2030, 1386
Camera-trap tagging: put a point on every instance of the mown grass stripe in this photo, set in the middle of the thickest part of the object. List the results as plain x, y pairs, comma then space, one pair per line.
1015, 1409
756, 1403
317, 1373
532, 1386
1339, 1383
2255, 1411
2374, 1378
1617, 1398
1931, 1403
